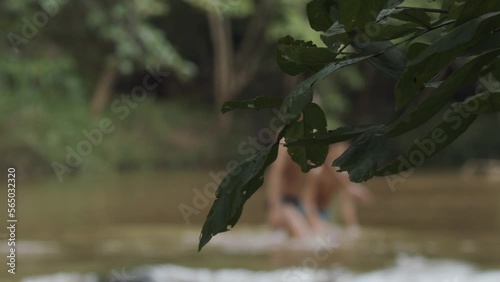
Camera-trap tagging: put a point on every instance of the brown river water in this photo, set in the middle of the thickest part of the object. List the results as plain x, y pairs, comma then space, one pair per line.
432, 227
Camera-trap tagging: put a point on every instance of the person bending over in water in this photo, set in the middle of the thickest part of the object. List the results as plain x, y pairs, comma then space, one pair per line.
300, 202
283, 196
324, 183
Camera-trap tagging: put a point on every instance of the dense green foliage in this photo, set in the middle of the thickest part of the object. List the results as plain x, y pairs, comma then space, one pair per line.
50, 73
389, 36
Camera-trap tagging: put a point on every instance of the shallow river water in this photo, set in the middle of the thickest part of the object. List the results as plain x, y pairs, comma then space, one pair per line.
434, 227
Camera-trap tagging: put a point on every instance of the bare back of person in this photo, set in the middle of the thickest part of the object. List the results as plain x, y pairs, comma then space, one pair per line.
328, 186
328, 179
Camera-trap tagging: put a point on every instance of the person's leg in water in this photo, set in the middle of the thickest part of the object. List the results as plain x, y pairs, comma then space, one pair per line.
316, 200
283, 192
289, 216
322, 185
293, 217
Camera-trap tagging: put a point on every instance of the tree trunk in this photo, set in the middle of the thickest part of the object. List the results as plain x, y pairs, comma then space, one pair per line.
103, 90
220, 29
233, 69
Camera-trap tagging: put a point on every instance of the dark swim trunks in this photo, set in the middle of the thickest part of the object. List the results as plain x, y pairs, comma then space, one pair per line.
294, 201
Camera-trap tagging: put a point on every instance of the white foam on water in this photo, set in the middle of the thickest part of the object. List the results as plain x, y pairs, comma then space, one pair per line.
406, 269
64, 277
263, 240
29, 248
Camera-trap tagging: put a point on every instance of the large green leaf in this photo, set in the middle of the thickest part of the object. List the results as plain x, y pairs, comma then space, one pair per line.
394, 31
258, 103
447, 4
416, 16
454, 10
487, 43
475, 8
436, 140
301, 96
484, 103
319, 14
496, 70
311, 123
415, 49
297, 56
393, 3
433, 103
233, 192
337, 34
456, 120
389, 60
367, 155
340, 134
364, 157
434, 58
358, 13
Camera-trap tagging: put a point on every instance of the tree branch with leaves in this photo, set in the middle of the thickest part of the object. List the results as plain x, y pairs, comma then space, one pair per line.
387, 35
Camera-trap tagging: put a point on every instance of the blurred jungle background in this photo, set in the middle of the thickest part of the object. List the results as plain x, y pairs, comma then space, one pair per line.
67, 65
